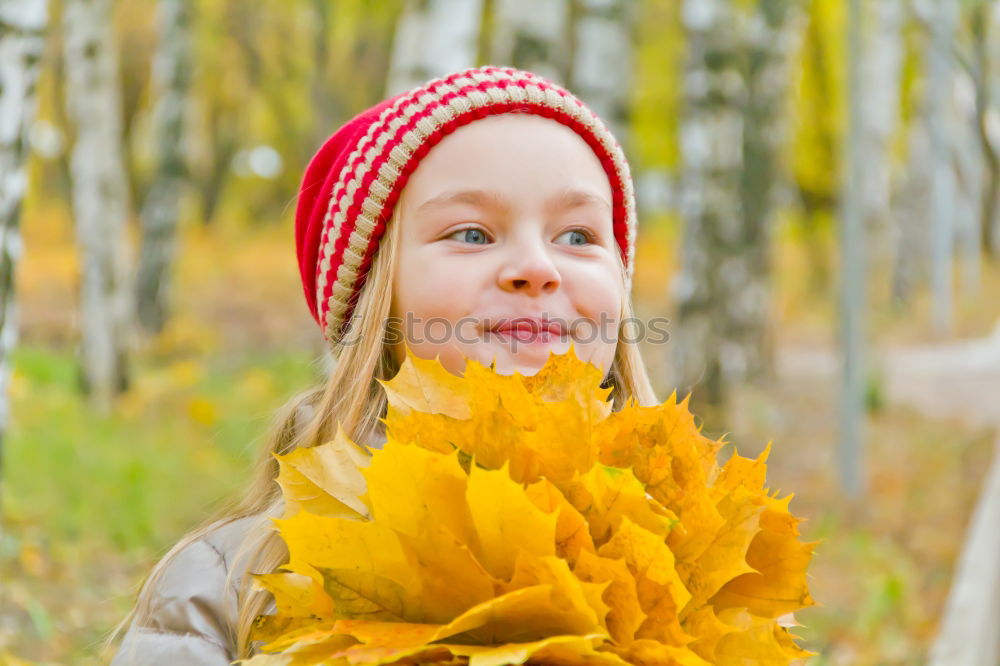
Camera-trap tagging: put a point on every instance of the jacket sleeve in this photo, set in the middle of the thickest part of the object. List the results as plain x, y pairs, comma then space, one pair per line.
193, 614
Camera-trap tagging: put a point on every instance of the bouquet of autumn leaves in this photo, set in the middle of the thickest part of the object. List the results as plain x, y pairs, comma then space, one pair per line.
517, 519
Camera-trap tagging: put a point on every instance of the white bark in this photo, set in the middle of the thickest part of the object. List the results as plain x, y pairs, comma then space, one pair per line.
171, 79
880, 73
942, 174
532, 35
968, 165
602, 62
100, 197
711, 148
433, 38
985, 56
911, 212
968, 632
22, 42
853, 271
770, 34
731, 131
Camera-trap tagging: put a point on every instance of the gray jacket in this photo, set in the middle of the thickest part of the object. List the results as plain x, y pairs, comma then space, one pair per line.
194, 613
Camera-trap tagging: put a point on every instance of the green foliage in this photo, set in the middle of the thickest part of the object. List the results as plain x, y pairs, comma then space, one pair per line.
656, 95
115, 480
911, 84
875, 399
820, 101
89, 503
291, 73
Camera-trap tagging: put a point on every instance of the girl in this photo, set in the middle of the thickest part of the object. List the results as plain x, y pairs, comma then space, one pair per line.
488, 215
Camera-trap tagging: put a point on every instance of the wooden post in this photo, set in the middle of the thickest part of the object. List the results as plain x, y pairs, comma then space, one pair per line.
969, 633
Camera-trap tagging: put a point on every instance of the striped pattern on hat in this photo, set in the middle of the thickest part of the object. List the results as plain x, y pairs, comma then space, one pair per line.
352, 184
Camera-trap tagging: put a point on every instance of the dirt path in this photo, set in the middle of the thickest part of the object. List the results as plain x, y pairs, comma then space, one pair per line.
955, 379
950, 380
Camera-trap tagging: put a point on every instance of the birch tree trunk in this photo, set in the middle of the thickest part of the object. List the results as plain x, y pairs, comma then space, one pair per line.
911, 211
172, 81
853, 265
711, 149
326, 104
602, 60
433, 38
22, 42
967, 164
982, 72
942, 175
533, 35
768, 40
729, 138
100, 194
880, 72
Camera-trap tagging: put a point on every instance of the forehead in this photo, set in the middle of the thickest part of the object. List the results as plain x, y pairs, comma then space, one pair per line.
516, 154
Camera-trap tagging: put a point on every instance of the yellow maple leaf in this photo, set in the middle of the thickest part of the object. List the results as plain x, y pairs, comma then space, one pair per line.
325, 480
513, 519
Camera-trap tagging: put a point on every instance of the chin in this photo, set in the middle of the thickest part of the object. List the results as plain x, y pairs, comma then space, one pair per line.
525, 360
510, 366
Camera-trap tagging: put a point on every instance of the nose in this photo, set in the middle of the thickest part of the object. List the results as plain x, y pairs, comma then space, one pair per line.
529, 269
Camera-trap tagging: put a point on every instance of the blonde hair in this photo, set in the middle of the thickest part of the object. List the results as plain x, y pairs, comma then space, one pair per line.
352, 397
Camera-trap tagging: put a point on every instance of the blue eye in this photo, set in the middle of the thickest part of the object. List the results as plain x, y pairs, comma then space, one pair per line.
577, 237
474, 236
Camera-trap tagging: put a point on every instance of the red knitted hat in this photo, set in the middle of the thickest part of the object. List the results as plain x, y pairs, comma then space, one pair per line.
353, 182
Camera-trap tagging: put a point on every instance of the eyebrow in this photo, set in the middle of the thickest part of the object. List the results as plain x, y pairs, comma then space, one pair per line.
568, 198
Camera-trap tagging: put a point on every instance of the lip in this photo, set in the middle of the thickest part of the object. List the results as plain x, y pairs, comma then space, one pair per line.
529, 330
529, 325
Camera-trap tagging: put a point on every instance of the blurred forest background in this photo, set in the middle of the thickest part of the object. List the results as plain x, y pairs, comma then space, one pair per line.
818, 183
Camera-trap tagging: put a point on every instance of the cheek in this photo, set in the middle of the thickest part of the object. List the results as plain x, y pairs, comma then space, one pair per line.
426, 286
596, 291
597, 296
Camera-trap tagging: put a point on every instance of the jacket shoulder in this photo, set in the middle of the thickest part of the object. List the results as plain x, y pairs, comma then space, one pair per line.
193, 604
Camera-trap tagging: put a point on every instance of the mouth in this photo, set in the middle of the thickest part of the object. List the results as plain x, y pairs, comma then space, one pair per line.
528, 330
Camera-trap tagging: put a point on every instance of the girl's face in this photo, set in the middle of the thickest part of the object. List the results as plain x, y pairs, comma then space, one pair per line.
506, 249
